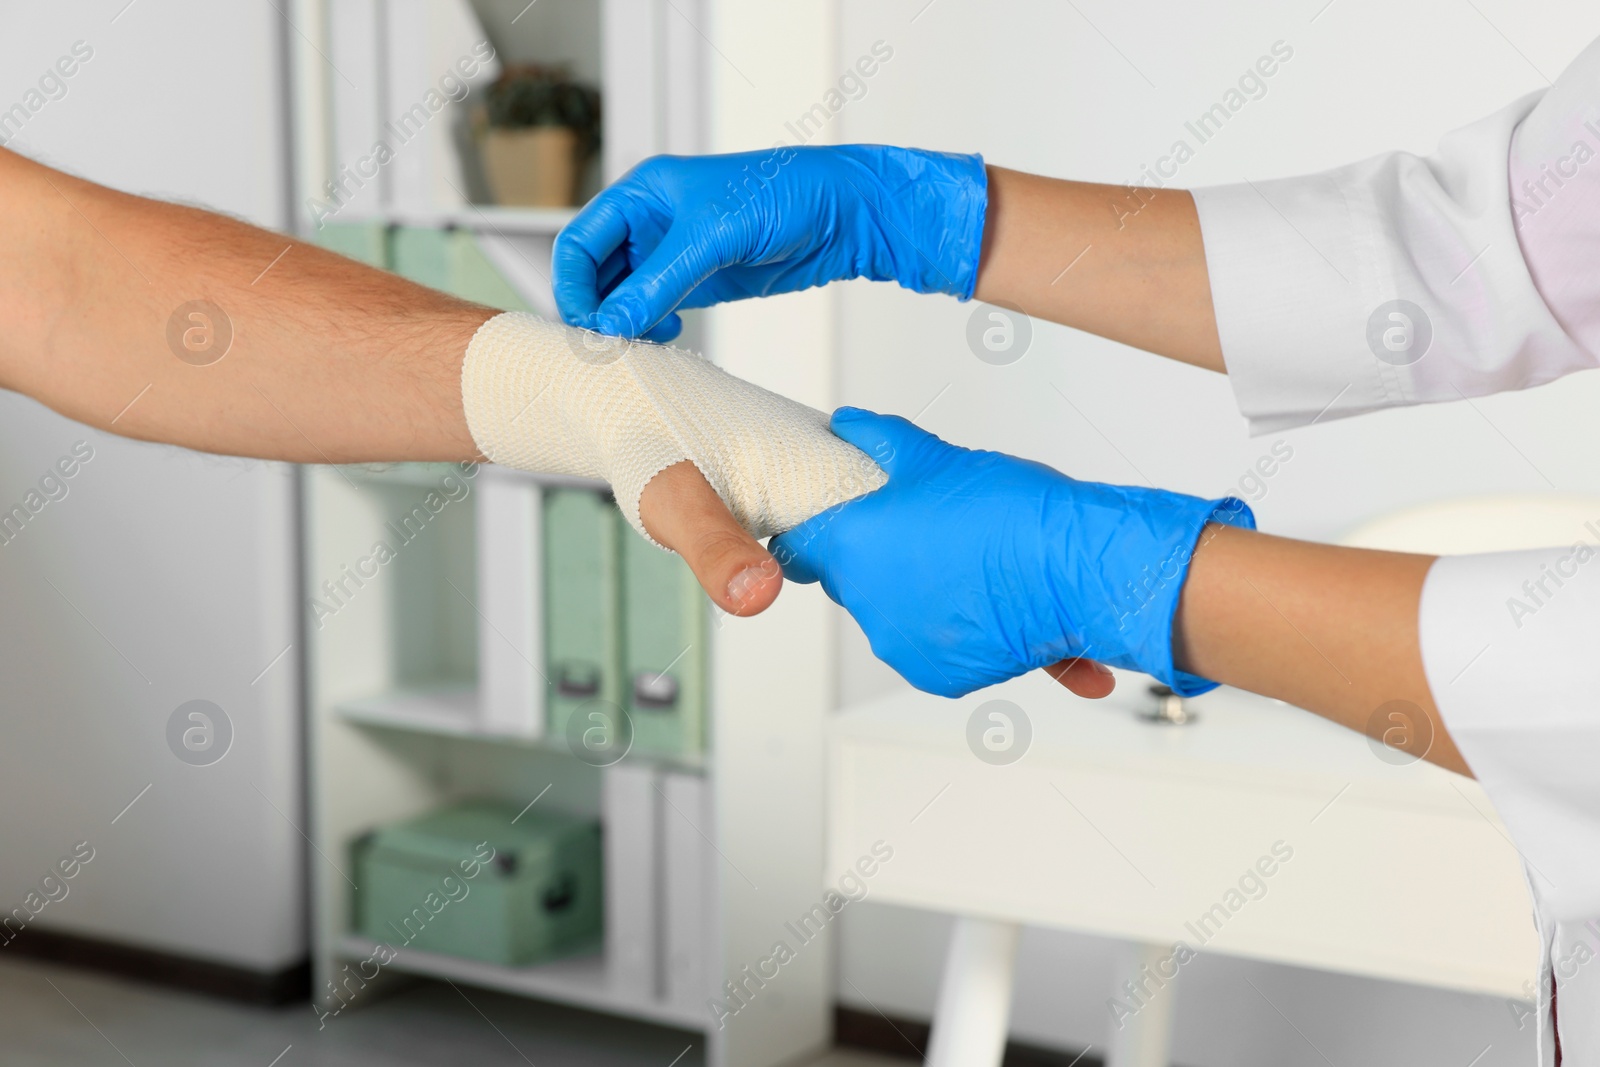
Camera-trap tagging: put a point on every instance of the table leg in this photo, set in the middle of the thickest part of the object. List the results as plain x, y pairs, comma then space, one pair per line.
1144, 995
969, 1021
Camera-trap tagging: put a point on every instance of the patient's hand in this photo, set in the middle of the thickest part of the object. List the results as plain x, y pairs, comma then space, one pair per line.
1084, 677
682, 511
544, 397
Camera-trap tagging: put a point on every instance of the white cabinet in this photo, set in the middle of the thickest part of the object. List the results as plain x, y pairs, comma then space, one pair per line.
1257, 830
425, 671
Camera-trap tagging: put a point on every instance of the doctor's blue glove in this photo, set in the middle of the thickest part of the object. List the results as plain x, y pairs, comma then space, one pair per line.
969, 568
691, 231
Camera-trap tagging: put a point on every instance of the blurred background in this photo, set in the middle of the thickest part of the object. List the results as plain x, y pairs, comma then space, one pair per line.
348, 727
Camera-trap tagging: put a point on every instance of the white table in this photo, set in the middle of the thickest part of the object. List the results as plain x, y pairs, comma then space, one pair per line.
1112, 825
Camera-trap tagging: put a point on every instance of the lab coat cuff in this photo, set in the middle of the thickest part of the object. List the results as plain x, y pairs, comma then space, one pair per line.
1396, 280
1285, 263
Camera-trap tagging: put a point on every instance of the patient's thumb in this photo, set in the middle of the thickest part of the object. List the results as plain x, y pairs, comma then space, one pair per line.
683, 512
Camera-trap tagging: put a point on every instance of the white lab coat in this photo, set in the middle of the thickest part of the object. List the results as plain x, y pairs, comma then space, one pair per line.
1496, 238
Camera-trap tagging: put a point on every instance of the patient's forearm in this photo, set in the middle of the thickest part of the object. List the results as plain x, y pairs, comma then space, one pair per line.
329, 361
1127, 264
1332, 630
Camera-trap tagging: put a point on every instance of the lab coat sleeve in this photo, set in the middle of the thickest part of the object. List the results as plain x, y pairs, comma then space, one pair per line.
1405, 279
1509, 646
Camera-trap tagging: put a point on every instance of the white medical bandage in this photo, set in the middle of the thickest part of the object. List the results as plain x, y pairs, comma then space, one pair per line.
544, 397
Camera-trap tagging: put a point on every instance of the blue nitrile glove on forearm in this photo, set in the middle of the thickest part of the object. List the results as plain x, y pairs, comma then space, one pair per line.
692, 231
969, 568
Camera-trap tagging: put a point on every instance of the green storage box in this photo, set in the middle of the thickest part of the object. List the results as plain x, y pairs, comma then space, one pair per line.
365, 241
583, 638
664, 637
450, 260
469, 881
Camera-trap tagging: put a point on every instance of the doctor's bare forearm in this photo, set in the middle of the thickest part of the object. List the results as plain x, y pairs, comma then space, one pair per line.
299, 354
1127, 264
1332, 630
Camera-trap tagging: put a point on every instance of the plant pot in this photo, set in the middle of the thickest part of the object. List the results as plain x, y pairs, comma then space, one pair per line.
532, 167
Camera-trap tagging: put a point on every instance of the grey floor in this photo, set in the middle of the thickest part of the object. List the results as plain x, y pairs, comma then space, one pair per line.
52, 1016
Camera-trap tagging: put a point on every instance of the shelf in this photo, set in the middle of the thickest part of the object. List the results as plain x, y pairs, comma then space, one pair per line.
491, 218
443, 710
428, 475
553, 481
576, 980
420, 475
452, 711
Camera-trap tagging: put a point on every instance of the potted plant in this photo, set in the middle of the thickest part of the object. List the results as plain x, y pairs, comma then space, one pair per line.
541, 128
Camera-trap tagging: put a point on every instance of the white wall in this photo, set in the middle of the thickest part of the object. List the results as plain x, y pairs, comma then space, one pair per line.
1066, 89
777, 753
163, 576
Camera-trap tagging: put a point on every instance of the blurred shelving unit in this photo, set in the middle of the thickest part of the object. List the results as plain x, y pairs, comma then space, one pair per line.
581, 981
491, 218
426, 681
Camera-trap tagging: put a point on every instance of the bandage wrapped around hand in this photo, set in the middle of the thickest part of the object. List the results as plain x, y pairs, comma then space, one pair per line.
557, 400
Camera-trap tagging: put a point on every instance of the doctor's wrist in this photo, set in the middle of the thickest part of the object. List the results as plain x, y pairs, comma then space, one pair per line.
1148, 600
1330, 629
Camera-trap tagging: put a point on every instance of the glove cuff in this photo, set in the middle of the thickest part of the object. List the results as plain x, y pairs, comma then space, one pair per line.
929, 209
1148, 603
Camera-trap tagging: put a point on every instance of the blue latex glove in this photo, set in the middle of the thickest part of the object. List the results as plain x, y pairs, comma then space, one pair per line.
691, 231
969, 568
